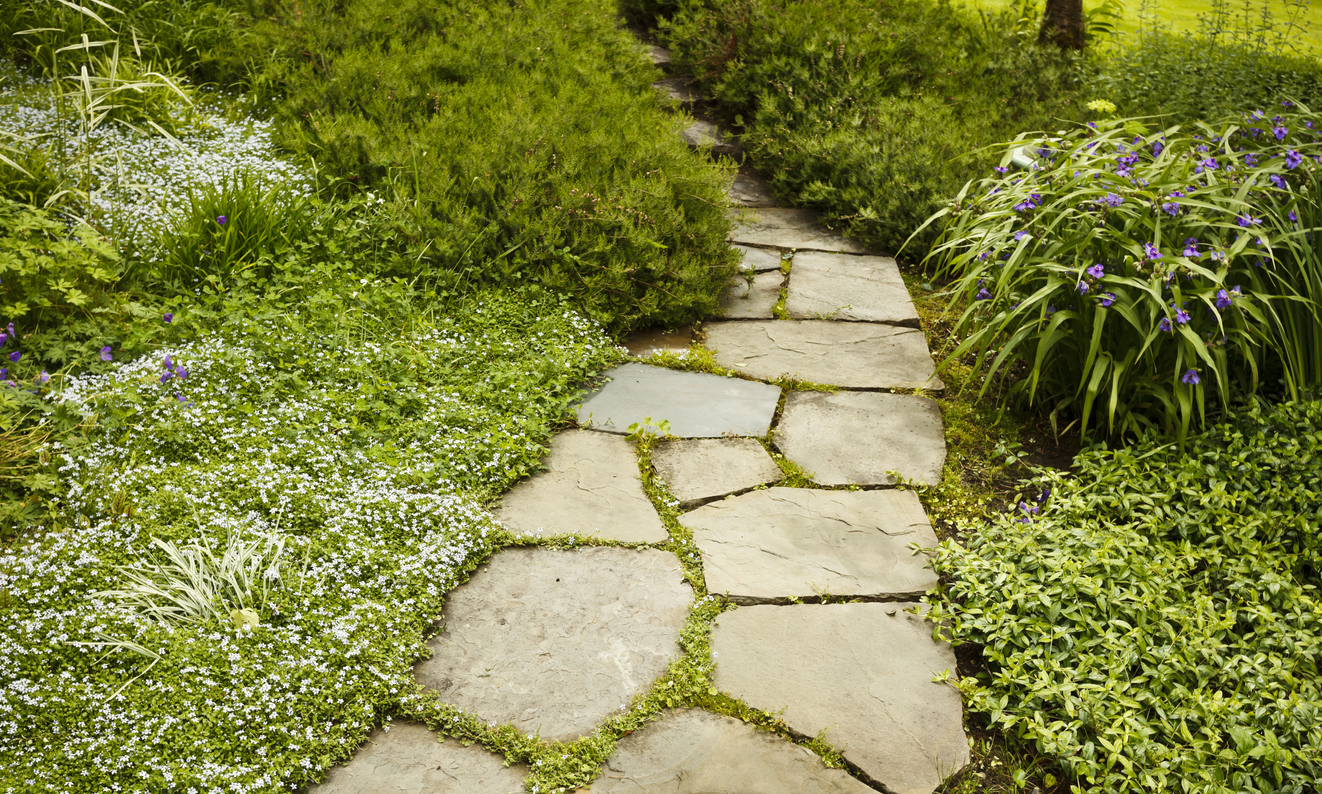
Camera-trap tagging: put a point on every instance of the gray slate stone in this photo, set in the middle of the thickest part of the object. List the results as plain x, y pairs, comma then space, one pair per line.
408, 759
845, 287
861, 673
652, 340
749, 191
752, 296
676, 89
758, 259
769, 546
697, 404
555, 641
787, 228
591, 486
660, 56
696, 752
856, 437
849, 355
702, 469
703, 133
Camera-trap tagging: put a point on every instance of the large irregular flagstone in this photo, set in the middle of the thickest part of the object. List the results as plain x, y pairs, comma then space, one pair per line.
846, 287
697, 404
860, 673
849, 355
676, 89
697, 752
786, 228
749, 191
591, 486
773, 545
699, 470
758, 259
857, 437
701, 134
555, 641
752, 296
408, 759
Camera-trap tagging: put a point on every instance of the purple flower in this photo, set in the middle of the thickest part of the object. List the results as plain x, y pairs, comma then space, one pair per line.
1209, 165
105, 353
1280, 132
983, 295
168, 363
1050, 310
1033, 201
1164, 325
43, 378
1223, 300
1020, 235
1277, 180
1046, 493
1027, 508
1247, 220
1096, 271
1181, 316
1157, 148
1000, 169
1150, 251
165, 376
1250, 159
220, 219
1171, 208
4, 338
1294, 216
1191, 248
169, 318
15, 356
1107, 298
1293, 159
1083, 287
1111, 200
4, 372
180, 372
1190, 377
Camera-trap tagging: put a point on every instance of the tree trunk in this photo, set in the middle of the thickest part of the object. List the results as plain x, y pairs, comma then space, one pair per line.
1062, 24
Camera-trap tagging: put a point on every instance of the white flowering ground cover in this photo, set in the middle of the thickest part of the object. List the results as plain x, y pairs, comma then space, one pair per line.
366, 451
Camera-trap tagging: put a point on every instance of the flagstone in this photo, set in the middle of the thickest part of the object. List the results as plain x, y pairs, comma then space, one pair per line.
752, 296
591, 486
849, 355
749, 191
697, 404
860, 675
774, 545
409, 759
758, 259
701, 134
555, 641
702, 469
790, 228
697, 752
847, 287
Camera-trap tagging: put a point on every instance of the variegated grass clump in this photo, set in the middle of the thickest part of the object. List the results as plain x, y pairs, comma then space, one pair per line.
1137, 279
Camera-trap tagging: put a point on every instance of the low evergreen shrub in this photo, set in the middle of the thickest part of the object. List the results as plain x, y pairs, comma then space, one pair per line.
1151, 620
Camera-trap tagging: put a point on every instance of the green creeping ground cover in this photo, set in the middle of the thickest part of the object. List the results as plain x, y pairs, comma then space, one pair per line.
1152, 619
259, 526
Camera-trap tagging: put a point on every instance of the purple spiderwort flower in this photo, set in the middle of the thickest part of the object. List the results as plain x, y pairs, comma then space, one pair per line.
1209, 165
1096, 271
983, 295
1191, 248
1033, 201
1171, 208
1083, 287
221, 219
1000, 169
1223, 300
169, 317
1021, 235
1111, 200
1050, 310
1181, 316
1277, 180
1150, 252
1247, 220
1107, 298
1280, 132
106, 354
1164, 325
15, 356
1190, 377
1294, 216
1293, 159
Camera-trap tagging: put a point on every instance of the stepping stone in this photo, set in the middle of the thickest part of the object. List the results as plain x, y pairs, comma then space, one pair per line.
770, 546
787, 228
749, 191
409, 759
859, 673
645, 343
752, 296
844, 287
676, 89
849, 355
703, 133
696, 752
857, 437
591, 486
660, 56
553, 642
697, 404
758, 259
702, 469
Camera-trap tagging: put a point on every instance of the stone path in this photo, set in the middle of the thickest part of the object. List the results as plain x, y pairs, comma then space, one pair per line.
554, 642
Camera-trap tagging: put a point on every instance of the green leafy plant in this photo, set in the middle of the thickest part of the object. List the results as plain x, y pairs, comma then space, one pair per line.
1145, 276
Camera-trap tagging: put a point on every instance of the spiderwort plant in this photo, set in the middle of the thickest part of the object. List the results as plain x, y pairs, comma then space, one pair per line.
1097, 281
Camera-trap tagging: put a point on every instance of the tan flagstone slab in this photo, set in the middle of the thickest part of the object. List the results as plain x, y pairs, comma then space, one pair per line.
698, 470
752, 296
409, 759
758, 259
749, 191
848, 287
696, 404
790, 228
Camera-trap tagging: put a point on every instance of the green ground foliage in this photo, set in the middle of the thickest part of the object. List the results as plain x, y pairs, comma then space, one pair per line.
1151, 622
869, 112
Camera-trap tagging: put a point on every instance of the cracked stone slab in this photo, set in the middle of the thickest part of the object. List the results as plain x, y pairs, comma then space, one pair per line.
591, 486
697, 404
703, 133
790, 228
676, 89
853, 288
860, 673
749, 191
696, 752
773, 545
752, 296
849, 355
555, 641
758, 260
409, 759
857, 437
702, 469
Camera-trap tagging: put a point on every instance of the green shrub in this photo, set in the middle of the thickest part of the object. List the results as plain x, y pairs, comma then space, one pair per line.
1155, 627
1149, 276
871, 113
